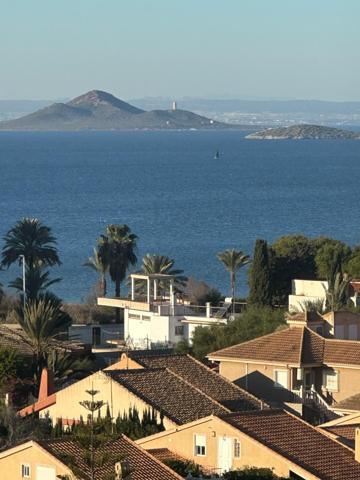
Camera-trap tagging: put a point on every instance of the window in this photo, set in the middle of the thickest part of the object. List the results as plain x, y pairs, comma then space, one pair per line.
179, 330
237, 448
319, 329
200, 445
25, 470
331, 380
134, 316
353, 332
281, 379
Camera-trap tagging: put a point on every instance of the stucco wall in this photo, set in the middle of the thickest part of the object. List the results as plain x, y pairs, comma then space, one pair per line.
118, 398
349, 383
10, 465
252, 453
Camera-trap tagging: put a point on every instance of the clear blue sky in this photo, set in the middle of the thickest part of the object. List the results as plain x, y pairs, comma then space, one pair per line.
135, 48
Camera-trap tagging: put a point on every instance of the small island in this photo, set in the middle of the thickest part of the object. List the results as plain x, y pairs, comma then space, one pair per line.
307, 132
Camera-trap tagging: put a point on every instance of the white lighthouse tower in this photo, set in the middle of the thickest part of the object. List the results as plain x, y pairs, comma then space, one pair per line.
174, 106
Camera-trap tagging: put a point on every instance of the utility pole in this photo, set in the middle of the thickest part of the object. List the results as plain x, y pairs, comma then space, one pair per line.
23, 260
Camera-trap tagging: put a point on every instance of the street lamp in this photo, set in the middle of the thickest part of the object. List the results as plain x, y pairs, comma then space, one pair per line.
22, 257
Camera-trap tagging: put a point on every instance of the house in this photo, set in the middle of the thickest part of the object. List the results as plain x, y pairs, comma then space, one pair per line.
48, 460
304, 292
179, 389
294, 365
194, 372
343, 428
158, 319
342, 324
270, 438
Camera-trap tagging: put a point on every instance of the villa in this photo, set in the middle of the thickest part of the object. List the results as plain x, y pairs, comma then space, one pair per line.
155, 318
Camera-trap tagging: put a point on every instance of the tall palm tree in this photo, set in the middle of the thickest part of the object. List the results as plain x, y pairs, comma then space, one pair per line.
117, 248
29, 237
233, 260
37, 281
101, 265
162, 264
42, 321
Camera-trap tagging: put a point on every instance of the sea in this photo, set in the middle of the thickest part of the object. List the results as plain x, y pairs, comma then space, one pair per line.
175, 195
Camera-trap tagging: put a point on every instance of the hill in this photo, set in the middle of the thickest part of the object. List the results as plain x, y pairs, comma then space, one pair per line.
300, 132
97, 110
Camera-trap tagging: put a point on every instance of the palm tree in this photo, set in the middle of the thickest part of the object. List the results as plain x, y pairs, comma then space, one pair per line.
337, 294
42, 321
37, 281
29, 237
161, 264
233, 260
101, 266
117, 249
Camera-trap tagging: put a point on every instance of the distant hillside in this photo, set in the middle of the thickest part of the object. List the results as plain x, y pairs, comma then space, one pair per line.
97, 110
300, 132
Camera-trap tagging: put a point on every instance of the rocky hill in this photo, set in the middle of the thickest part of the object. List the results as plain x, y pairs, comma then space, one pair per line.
300, 132
97, 110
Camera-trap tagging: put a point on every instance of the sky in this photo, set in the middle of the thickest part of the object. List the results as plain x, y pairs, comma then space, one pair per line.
306, 49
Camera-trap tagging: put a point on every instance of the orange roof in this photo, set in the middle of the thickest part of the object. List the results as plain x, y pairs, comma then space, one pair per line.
294, 345
299, 442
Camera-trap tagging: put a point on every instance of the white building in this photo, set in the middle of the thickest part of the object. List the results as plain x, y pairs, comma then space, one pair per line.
314, 291
159, 319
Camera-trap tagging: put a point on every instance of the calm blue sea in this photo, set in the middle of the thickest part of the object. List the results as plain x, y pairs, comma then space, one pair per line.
174, 195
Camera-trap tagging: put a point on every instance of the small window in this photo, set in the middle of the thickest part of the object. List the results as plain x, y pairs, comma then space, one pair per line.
179, 330
200, 445
340, 332
96, 336
331, 380
281, 379
25, 470
237, 448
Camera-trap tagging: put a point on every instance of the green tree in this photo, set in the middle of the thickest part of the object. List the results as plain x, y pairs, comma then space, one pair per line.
37, 282
292, 256
337, 294
252, 323
117, 248
42, 320
233, 260
162, 264
29, 237
252, 473
352, 266
260, 275
331, 258
99, 263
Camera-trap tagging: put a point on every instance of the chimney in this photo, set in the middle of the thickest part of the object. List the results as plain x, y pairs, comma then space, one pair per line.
47, 387
357, 444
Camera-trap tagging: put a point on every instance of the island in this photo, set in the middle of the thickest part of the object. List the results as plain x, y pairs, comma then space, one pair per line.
308, 132
98, 110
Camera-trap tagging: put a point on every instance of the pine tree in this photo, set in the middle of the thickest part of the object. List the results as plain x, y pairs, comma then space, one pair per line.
260, 275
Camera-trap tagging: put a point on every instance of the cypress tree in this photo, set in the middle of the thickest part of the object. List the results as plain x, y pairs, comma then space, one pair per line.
260, 275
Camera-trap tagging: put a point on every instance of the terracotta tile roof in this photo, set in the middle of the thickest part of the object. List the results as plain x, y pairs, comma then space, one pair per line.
203, 378
294, 345
168, 393
164, 454
299, 442
346, 433
142, 464
349, 403
283, 346
344, 352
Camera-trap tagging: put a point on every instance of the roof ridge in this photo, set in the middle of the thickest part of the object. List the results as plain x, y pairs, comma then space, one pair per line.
276, 332
226, 380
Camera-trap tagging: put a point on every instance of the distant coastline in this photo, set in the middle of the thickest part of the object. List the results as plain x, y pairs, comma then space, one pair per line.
304, 132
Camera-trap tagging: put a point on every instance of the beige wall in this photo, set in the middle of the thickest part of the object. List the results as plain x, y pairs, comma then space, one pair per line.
10, 465
118, 398
349, 383
257, 379
252, 452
